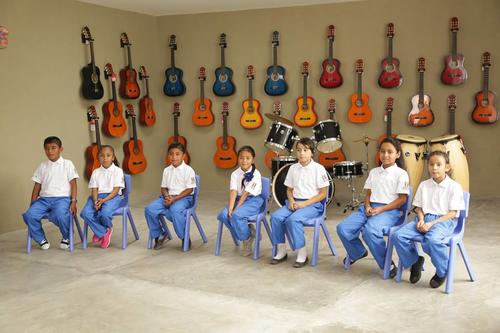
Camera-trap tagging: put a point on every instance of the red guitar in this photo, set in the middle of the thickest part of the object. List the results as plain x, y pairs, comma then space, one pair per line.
128, 76
225, 157
268, 159
331, 77
485, 111
454, 72
114, 124
360, 111
251, 117
147, 115
388, 115
421, 114
391, 76
134, 161
305, 116
329, 159
92, 151
176, 137
202, 115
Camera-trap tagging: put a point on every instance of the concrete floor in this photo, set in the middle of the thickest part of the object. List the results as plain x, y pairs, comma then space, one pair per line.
140, 290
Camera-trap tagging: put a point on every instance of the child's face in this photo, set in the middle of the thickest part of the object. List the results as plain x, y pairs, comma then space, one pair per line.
438, 168
175, 156
304, 154
388, 154
106, 157
245, 160
53, 151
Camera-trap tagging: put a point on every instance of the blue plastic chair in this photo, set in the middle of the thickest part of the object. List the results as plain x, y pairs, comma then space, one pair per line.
259, 219
123, 211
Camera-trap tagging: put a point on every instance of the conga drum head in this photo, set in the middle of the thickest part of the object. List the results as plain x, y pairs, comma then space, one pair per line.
411, 138
445, 138
413, 152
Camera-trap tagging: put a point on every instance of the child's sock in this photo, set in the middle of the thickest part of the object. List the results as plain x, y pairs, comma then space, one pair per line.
302, 254
281, 251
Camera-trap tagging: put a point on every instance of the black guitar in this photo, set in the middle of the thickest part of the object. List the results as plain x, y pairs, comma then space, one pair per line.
91, 85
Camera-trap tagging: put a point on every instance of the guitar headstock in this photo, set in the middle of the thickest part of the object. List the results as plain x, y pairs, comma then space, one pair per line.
202, 76
389, 103
142, 73
92, 114
332, 105
124, 42
172, 43
276, 38
225, 109
331, 32
86, 35
250, 72
222, 40
305, 69
486, 60
177, 110
359, 66
390, 30
454, 24
129, 111
421, 65
452, 102
108, 72
277, 108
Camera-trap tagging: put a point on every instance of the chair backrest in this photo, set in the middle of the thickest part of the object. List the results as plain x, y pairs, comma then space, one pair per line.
405, 208
126, 191
196, 191
459, 229
266, 185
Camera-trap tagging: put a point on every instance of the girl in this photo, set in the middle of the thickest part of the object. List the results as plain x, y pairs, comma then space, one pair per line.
387, 189
438, 201
106, 184
177, 188
307, 183
244, 198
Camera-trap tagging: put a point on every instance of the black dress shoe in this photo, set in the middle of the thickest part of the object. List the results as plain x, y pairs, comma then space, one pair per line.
278, 261
394, 270
436, 281
298, 264
353, 261
416, 270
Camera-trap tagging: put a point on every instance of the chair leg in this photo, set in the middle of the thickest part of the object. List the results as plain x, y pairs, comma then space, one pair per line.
124, 230
28, 242
150, 241
388, 257
71, 236
85, 234
256, 244
400, 271
185, 247
451, 268
290, 240
132, 224
78, 227
329, 239
347, 262
314, 260
200, 228
467, 262
164, 226
218, 240
267, 227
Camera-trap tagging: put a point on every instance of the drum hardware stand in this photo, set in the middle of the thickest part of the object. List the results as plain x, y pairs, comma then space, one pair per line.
354, 202
366, 140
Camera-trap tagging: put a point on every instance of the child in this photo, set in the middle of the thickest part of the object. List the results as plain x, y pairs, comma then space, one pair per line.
54, 193
244, 198
438, 201
387, 189
177, 188
106, 184
307, 183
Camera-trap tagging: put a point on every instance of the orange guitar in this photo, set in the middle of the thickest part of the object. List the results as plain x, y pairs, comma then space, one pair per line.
176, 137
147, 115
202, 115
134, 161
329, 159
305, 116
92, 151
485, 111
128, 76
251, 117
421, 114
114, 124
360, 111
388, 115
225, 157
268, 159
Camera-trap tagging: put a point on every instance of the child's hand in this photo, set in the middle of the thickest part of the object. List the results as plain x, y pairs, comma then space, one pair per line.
419, 225
375, 211
230, 214
97, 204
167, 201
72, 207
368, 210
291, 205
298, 205
425, 227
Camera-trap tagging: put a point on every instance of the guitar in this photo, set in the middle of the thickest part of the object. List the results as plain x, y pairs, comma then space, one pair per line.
485, 111
92, 151
225, 157
329, 159
331, 77
202, 115
305, 116
91, 85
114, 124
176, 137
268, 158
134, 161
388, 116
223, 85
128, 76
147, 115
452, 106
251, 117
421, 114
275, 83
360, 111
390, 77
454, 72
173, 85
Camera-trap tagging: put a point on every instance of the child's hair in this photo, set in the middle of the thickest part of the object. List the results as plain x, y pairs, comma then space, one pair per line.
176, 145
308, 143
115, 160
400, 162
52, 139
248, 175
444, 155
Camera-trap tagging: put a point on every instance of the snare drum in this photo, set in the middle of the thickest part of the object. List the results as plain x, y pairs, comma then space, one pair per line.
280, 161
347, 169
327, 135
452, 145
281, 138
413, 149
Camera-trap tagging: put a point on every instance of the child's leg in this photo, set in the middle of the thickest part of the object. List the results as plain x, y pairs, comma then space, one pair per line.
152, 213
33, 218
223, 217
89, 214
295, 222
60, 214
105, 214
176, 214
239, 220
348, 231
433, 245
402, 240
278, 218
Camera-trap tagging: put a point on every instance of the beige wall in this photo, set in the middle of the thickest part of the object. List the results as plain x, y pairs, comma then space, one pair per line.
40, 80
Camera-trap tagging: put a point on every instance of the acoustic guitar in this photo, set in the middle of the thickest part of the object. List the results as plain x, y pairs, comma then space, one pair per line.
390, 77
176, 137
359, 111
223, 85
202, 115
134, 161
225, 156
389, 107
128, 75
114, 124
91, 84
173, 85
251, 117
454, 72
452, 106
421, 114
331, 77
147, 115
305, 116
270, 154
275, 84
329, 159
92, 151
485, 111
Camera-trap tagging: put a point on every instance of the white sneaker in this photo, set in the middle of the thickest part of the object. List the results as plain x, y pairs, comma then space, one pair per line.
44, 245
64, 245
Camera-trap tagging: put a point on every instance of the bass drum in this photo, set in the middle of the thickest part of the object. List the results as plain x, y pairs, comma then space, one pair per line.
279, 188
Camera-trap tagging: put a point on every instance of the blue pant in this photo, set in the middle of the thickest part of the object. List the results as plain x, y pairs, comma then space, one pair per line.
100, 220
57, 210
174, 213
285, 219
432, 243
239, 219
373, 232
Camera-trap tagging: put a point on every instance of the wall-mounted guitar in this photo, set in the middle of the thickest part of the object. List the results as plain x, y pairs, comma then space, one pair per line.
454, 72
128, 76
251, 117
485, 111
176, 137
173, 85
421, 114
114, 124
275, 83
329, 159
202, 115
390, 77
223, 85
147, 115
134, 161
331, 77
92, 151
389, 107
305, 116
268, 158
225, 157
91, 85
359, 111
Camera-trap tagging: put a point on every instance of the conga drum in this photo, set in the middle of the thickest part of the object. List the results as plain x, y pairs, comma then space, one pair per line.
413, 149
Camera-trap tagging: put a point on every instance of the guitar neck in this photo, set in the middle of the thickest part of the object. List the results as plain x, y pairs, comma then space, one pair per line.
330, 49
421, 88
304, 93
486, 74
454, 45
360, 88
176, 128
390, 48
114, 98
224, 130
134, 131
97, 134
130, 68
275, 57
202, 92
452, 121
92, 57
172, 58
147, 87
250, 95
222, 58
332, 115
389, 124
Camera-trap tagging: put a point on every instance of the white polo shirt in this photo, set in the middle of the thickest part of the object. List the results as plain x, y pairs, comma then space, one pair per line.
306, 181
178, 179
439, 199
105, 180
387, 183
254, 187
55, 177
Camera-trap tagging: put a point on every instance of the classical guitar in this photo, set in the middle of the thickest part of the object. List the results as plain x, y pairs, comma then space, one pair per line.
147, 115
454, 72
114, 124
173, 85
485, 111
305, 116
360, 111
390, 77
225, 157
389, 107
134, 161
275, 83
128, 76
91, 85
176, 137
329, 159
223, 85
331, 77
270, 154
421, 114
251, 117
202, 115
92, 151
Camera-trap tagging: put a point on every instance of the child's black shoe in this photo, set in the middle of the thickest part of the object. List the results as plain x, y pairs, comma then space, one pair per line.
436, 281
416, 270
353, 261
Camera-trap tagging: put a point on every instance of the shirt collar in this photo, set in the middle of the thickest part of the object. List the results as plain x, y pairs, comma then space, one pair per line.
111, 168
443, 183
310, 165
60, 160
392, 168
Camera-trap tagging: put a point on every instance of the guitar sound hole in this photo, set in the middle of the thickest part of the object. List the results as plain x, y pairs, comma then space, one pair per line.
484, 102
94, 79
225, 158
275, 76
330, 68
137, 163
389, 68
359, 103
202, 107
172, 78
250, 121
202, 117
305, 118
117, 125
223, 78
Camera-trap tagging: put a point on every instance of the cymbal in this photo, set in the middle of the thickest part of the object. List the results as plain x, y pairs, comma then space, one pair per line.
279, 119
365, 139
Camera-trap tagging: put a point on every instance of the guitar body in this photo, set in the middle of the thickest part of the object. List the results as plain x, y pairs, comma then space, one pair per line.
331, 77
390, 77
329, 159
275, 83
202, 115
305, 116
182, 140
113, 125
485, 113
251, 119
134, 161
421, 116
225, 157
91, 159
147, 115
454, 72
223, 85
359, 112
128, 84
173, 85
91, 90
